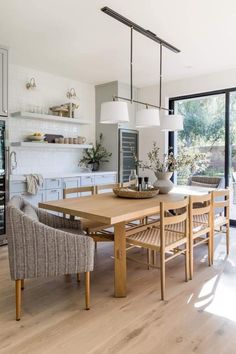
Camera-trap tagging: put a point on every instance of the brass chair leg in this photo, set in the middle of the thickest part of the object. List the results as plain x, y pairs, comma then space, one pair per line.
96, 245
22, 284
87, 290
78, 277
18, 299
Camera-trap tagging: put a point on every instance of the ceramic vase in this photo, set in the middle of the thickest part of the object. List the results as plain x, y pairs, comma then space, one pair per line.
163, 182
94, 166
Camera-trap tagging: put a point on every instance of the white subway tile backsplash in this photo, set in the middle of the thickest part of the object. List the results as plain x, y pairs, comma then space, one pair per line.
51, 90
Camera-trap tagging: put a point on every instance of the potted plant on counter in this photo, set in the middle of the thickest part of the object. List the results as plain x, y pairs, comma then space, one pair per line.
164, 166
94, 156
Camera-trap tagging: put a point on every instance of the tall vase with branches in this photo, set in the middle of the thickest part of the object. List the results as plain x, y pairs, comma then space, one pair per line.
164, 166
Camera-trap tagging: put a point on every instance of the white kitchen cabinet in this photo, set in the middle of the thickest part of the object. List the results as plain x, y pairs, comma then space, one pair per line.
52, 188
52, 194
105, 179
3, 82
17, 187
32, 199
86, 181
52, 183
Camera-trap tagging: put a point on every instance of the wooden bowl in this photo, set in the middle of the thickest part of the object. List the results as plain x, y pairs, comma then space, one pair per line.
35, 137
123, 192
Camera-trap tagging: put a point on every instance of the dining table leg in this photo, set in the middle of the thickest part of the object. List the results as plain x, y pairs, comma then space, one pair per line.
120, 260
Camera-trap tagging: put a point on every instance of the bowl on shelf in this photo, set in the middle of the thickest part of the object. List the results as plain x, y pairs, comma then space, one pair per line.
35, 137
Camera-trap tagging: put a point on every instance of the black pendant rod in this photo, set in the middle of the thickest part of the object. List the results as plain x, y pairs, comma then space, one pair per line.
160, 88
138, 28
131, 64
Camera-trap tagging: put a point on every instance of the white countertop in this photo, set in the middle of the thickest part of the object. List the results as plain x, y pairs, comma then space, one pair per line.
21, 178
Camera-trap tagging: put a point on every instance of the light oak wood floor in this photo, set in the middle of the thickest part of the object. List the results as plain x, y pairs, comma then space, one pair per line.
198, 316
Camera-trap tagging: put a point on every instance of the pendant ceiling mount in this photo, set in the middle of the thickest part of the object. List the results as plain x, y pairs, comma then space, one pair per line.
111, 112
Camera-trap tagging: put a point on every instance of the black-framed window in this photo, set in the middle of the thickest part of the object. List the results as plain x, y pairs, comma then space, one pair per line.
225, 163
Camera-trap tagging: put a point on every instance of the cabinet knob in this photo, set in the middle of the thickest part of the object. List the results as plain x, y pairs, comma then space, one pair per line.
4, 111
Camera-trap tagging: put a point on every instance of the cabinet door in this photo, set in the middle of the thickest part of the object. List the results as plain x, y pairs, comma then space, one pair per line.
105, 179
87, 181
32, 199
52, 194
3, 82
51, 183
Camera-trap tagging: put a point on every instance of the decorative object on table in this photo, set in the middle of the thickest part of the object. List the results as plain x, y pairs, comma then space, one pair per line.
140, 184
31, 84
52, 138
163, 182
81, 140
133, 179
126, 192
65, 110
92, 157
146, 184
37, 137
163, 167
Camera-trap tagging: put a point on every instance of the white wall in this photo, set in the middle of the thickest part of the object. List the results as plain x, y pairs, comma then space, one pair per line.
51, 90
210, 82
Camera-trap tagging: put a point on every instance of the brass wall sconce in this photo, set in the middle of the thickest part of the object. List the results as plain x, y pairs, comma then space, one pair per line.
31, 84
71, 93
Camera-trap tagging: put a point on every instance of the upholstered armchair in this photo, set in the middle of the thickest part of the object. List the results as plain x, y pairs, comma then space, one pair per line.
206, 181
45, 245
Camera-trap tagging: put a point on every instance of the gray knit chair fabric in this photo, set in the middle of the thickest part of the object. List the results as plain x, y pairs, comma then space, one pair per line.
38, 248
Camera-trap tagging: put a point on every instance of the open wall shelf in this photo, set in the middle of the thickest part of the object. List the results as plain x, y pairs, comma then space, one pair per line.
46, 117
25, 144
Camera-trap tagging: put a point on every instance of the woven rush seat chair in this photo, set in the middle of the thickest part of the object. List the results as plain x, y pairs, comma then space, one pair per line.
163, 241
200, 226
43, 245
220, 216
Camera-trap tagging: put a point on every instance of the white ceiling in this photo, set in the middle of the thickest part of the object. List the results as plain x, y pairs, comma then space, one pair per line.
73, 38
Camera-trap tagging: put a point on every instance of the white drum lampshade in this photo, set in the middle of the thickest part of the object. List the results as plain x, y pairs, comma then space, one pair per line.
147, 117
172, 122
114, 112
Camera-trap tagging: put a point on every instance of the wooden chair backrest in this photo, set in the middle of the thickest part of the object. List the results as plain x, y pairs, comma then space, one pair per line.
104, 187
67, 191
200, 205
219, 204
181, 212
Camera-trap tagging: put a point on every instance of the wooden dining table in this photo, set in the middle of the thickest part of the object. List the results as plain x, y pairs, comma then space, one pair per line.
108, 209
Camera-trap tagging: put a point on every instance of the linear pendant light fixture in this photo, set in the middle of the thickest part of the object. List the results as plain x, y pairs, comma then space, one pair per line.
117, 111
